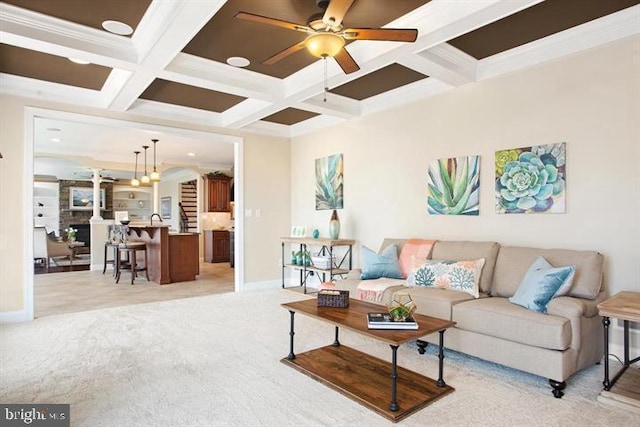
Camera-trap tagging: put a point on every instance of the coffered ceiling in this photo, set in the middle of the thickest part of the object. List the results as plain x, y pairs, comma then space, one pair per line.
174, 64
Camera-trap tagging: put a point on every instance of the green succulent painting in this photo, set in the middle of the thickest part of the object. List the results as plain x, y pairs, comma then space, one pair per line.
454, 186
531, 179
329, 177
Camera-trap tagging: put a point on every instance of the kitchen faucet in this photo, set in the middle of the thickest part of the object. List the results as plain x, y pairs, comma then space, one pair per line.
156, 214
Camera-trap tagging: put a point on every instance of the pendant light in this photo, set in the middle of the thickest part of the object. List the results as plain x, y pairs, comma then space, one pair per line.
155, 175
145, 178
134, 180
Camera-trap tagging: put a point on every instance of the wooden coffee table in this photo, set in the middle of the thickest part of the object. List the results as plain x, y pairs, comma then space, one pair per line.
390, 390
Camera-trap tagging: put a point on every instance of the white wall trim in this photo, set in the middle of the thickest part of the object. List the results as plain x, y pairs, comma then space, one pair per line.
29, 115
14, 316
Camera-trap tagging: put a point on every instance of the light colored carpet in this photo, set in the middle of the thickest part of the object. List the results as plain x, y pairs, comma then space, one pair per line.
214, 361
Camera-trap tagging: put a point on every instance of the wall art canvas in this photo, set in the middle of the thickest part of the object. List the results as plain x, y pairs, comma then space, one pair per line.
329, 182
454, 186
531, 179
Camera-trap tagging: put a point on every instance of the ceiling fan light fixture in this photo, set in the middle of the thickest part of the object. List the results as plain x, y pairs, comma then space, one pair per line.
324, 44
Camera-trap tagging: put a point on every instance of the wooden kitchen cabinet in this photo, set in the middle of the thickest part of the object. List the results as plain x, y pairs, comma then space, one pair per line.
217, 246
218, 193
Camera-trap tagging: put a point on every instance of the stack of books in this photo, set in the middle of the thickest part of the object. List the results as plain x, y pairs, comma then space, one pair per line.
385, 321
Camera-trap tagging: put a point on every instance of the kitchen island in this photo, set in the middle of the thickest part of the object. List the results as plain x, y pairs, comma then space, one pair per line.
172, 257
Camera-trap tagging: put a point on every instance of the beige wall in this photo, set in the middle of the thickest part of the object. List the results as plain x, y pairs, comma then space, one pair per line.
590, 100
266, 185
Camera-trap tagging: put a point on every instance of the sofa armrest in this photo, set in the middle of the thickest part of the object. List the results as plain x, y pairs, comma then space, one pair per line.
575, 307
576, 310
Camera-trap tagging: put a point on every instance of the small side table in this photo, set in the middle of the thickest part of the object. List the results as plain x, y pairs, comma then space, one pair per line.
624, 305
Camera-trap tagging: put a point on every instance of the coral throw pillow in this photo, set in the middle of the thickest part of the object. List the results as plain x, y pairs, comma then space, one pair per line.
452, 275
414, 249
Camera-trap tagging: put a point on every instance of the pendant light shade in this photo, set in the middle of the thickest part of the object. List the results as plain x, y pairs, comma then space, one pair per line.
145, 178
155, 175
134, 180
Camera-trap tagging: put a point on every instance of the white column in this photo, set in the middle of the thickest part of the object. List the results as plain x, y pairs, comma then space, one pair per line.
156, 197
96, 194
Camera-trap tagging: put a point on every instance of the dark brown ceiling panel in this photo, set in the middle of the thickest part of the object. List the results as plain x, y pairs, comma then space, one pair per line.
289, 116
225, 36
190, 96
89, 12
541, 20
51, 68
380, 81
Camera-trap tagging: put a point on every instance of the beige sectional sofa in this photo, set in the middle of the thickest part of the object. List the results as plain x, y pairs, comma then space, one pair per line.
554, 345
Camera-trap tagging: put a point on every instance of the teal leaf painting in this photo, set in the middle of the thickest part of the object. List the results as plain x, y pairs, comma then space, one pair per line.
329, 182
453, 186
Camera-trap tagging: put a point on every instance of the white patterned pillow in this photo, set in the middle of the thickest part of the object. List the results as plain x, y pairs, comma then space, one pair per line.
461, 276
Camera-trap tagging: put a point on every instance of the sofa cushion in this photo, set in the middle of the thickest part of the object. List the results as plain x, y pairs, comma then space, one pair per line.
499, 318
541, 283
436, 302
414, 249
385, 264
449, 249
445, 274
513, 263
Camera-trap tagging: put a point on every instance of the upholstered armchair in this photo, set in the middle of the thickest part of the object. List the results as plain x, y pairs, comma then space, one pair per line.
48, 249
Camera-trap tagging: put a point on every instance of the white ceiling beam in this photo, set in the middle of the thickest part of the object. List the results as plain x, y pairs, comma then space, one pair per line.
607, 29
443, 62
166, 29
196, 71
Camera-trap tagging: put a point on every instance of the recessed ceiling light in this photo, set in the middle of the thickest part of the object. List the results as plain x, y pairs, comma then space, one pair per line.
238, 61
79, 61
55, 140
117, 27
191, 154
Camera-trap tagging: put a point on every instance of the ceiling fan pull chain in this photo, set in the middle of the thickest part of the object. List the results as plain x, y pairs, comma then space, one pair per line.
326, 86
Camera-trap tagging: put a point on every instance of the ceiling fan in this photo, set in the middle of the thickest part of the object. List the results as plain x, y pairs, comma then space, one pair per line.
326, 35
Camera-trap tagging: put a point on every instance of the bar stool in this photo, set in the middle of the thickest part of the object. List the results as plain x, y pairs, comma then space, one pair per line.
131, 249
110, 245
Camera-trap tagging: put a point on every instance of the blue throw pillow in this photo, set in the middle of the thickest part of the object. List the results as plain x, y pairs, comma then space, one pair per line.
541, 283
384, 264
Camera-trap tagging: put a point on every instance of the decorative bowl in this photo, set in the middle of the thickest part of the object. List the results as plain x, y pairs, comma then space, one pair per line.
125, 222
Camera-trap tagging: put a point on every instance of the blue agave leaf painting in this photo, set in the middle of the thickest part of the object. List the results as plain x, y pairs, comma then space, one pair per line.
453, 186
329, 192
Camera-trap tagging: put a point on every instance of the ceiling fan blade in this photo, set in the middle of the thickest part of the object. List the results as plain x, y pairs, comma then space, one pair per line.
346, 62
335, 12
272, 21
283, 54
388, 34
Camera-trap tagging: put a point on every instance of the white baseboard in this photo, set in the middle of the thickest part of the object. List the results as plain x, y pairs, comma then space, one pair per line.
14, 316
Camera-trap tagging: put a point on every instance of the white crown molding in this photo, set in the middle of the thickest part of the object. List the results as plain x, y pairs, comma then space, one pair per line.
609, 28
331, 104
32, 30
314, 124
444, 63
26, 87
247, 112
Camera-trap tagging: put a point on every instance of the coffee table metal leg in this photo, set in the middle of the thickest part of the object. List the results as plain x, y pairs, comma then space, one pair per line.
440, 382
336, 343
291, 355
394, 377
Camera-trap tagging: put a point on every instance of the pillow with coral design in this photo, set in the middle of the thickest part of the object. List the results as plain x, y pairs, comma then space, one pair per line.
462, 276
